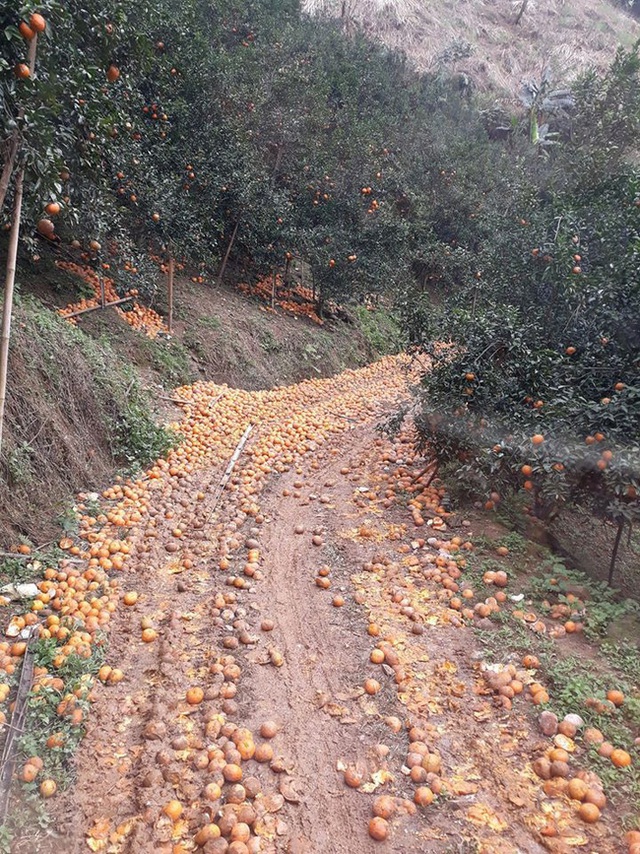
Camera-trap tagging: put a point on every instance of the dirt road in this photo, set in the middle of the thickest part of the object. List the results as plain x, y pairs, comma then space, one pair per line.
302, 609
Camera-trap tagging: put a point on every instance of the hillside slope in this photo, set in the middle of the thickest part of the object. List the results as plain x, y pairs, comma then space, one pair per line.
82, 400
481, 38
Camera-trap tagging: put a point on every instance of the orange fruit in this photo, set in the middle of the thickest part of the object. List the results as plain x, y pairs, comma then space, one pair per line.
423, 796
37, 23
577, 789
29, 773
616, 697
173, 809
589, 813
378, 828
195, 696
620, 758
25, 31
48, 788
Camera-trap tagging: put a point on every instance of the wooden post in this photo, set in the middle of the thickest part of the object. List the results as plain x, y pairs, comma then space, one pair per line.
170, 273
103, 295
614, 553
12, 261
273, 290
226, 255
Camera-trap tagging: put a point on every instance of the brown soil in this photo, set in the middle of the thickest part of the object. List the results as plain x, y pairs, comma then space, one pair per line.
130, 763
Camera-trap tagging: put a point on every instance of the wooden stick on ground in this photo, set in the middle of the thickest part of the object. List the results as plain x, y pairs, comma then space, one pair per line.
229, 470
95, 308
179, 400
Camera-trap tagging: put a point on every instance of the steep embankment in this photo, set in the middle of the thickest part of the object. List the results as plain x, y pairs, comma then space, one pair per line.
483, 40
80, 400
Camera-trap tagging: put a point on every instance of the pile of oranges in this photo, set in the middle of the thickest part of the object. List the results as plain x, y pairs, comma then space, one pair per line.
139, 317
76, 600
303, 306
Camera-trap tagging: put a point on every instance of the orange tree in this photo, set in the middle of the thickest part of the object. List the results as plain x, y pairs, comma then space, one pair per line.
535, 380
65, 120
237, 126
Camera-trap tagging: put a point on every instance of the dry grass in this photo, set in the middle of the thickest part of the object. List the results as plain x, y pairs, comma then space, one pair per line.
566, 36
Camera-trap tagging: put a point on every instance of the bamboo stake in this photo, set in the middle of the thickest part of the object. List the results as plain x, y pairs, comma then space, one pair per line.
170, 274
11, 147
7, 308
12, 260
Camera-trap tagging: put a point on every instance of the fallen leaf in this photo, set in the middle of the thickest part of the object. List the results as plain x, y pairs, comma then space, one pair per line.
459, 786
483, 814
350, 695
100, 829
335, 709
575, 841
321, 699
482, 714
379, 778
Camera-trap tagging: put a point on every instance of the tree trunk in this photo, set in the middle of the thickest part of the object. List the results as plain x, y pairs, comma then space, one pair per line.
226, 255
614, 553
170, 275
521, 11
273, 290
